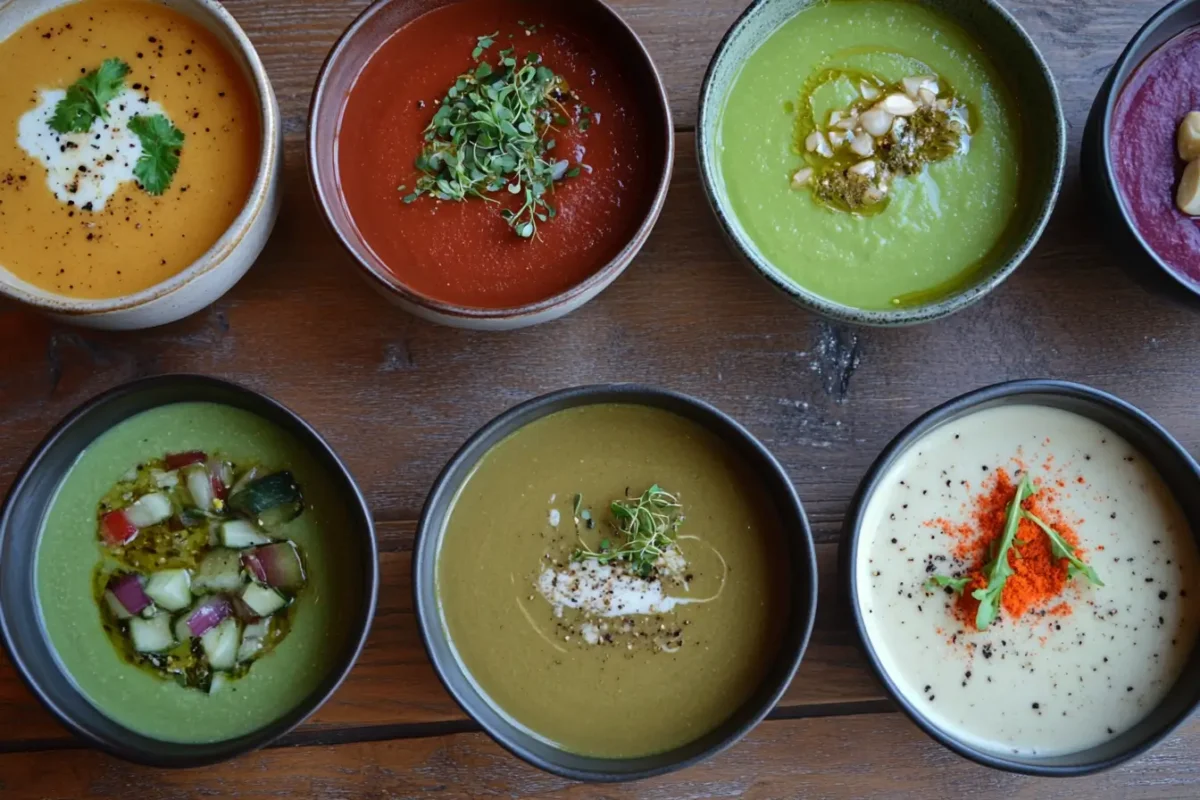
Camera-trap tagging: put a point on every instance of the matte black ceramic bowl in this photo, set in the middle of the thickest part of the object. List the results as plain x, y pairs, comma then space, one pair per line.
20, 530
1182, 476
1044, 133
803, 583
1096, 153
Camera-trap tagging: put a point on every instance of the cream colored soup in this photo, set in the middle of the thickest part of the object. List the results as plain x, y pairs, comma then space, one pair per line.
1042, 684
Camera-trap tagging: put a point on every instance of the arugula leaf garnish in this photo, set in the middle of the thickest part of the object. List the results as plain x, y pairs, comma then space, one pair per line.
959, 585
88, 97
998, 569
1060, 549
161, 141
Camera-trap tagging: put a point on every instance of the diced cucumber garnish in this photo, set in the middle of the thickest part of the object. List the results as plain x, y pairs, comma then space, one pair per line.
221, 644
220, 571
171, 589
263, 600
239, 534
151, 635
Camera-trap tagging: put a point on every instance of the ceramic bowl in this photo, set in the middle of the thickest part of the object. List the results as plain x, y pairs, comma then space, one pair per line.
1044, 148
1097, 152
29, 500
465, 690
210, 277
347, 59
1182, 476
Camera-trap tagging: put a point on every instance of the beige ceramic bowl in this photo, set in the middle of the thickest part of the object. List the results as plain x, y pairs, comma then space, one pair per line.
228, 259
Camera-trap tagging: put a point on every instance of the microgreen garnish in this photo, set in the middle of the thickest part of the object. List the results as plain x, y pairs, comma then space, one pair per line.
1060, 549
88, 97
647, 524
160, 151
492, 133
959, 585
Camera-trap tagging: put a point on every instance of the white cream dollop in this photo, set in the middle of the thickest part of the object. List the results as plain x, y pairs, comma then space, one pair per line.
86, 169
604, 590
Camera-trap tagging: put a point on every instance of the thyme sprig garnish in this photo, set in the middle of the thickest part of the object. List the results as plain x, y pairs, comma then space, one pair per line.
493, 132
647, 526
997, 570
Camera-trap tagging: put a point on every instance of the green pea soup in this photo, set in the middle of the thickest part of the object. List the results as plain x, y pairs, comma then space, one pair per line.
940, 225
69, 550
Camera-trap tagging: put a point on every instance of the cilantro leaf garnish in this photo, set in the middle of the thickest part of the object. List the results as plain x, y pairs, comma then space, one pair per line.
88, 97
161, 141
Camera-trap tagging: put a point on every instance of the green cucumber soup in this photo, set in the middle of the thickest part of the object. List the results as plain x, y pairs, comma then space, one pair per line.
70, 551
870, 153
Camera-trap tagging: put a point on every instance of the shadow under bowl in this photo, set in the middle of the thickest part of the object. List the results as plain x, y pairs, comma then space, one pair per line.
1181, 475
801, 558
1043, 137
21, 521
385, 18
1097, 156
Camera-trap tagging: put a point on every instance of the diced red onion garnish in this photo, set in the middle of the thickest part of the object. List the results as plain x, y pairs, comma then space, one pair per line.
254, 566
177, 460
208, 615
280, 563
128, 591
116, 528
221, 476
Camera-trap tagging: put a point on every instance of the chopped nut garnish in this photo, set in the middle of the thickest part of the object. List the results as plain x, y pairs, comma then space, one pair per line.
1188, 140
1188, 196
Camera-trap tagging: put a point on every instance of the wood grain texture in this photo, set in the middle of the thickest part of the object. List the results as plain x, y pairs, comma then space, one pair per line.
396, 396
878, 756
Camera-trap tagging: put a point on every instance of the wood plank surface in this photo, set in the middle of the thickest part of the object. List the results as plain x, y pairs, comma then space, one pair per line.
877, 756
396, 396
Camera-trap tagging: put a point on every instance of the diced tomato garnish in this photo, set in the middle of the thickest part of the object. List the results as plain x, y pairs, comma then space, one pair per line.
117, 528
218, 486
177, 460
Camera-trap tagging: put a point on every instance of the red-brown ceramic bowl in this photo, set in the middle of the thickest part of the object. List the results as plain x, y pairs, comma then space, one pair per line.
331, 145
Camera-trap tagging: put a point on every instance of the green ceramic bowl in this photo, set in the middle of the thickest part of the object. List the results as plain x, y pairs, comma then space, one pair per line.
1042, 147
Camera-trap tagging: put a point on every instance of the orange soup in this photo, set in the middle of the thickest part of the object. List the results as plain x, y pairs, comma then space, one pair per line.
96, 211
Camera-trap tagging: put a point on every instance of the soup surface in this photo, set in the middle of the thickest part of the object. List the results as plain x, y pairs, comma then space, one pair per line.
1160, 92
1068, 664
74, 220
69, 551
619, 668
465, 253
939, 224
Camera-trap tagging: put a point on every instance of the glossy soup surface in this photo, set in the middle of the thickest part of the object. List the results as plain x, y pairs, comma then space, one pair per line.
137, 240
464, 253
628, 696
940, 225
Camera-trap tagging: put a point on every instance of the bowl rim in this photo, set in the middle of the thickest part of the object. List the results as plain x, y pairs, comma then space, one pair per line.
220, 250
391, 285
711, 106
852, 523
431, 526
1122, 70
270, 732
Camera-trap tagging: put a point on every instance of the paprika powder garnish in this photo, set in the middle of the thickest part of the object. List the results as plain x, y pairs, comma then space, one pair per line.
1022, 553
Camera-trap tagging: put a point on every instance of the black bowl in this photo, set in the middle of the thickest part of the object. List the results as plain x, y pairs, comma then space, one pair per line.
1178, 470
1096, 156
20, 529
801, 555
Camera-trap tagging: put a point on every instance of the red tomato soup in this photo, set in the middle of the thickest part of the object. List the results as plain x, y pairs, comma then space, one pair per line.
465, 253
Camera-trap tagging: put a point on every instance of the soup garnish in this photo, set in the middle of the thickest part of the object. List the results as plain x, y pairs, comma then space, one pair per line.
493, 133
1007, 543
889, 130
196, 585
1187, 142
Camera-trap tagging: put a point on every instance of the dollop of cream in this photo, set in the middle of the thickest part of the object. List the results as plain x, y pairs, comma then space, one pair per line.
604, 590
86, 169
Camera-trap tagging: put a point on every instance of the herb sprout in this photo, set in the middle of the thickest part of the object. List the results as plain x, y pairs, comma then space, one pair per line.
492, 133
997, 570
1060, 549
648, 526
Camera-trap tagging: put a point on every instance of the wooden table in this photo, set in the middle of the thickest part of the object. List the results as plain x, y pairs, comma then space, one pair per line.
396, 396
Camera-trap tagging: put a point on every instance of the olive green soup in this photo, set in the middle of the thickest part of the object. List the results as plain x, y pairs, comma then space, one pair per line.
927, 224
614, 580
70, 549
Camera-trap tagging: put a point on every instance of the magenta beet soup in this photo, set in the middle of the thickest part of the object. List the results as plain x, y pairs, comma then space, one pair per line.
1148, 112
